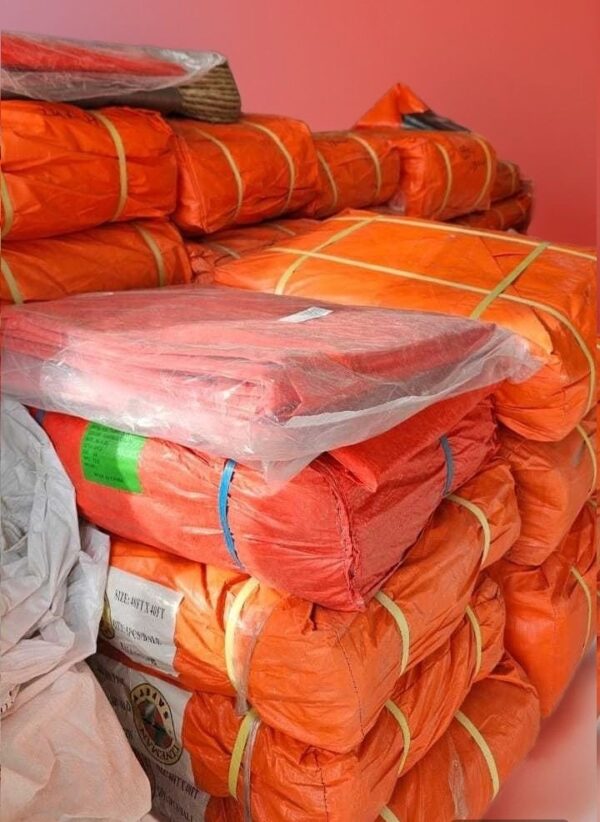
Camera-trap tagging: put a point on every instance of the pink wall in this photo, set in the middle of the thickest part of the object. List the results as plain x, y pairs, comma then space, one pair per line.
522, 72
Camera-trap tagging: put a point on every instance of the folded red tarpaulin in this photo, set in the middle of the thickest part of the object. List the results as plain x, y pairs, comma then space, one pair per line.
251, 377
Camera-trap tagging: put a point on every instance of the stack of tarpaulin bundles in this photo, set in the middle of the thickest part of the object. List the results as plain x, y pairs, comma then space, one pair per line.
545, 293
306, 503
86, 193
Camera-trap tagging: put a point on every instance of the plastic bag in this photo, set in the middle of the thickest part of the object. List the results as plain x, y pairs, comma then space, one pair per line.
65, 757
251, 377
53, 578
55, 68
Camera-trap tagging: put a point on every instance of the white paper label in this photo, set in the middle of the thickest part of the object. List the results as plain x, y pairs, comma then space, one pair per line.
151, 713
312, 313
139, 619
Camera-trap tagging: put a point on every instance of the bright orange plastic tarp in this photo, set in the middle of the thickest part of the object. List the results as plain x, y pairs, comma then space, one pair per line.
513, 212
553, 481
319, 675
356, 170
507, 182
372, 259
551, 610
259, 168
235, 243
443, 173
456, 779
331, 535
143, 254
65, 169
316, 784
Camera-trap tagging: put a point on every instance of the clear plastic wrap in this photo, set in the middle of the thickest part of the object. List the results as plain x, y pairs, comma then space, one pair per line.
54, 68
266, 381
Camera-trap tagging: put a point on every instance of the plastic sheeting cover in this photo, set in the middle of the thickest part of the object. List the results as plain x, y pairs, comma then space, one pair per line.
53, 68
251, 377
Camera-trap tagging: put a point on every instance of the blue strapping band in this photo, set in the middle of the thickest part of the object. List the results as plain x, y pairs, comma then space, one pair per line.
449, 464
223, 501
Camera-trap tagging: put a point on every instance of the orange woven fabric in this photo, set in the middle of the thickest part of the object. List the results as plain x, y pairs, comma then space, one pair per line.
372, 259
553, 481
336, 670
143, 254
356, 170
257, 169
551, 610
65, 169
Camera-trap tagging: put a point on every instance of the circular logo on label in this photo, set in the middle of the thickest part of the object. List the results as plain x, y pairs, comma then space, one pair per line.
154, 723
106, 629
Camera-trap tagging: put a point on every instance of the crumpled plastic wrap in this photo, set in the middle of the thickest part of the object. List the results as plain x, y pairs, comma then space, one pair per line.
262, 380
55, 68
53, 574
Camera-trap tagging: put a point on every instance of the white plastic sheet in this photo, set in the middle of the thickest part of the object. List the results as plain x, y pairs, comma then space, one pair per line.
260, 379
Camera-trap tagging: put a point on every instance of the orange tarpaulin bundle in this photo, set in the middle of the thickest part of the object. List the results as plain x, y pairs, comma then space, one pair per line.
542, 291
257, 169
507, 182
553, 481
142, 254
311, 782
331, 534
234, 243
64, 169
514, 212
494, 730
319, 675
444, 173
550, 610
356, 171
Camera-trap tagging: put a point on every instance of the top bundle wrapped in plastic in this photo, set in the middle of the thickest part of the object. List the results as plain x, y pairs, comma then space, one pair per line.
195, 83
252, 377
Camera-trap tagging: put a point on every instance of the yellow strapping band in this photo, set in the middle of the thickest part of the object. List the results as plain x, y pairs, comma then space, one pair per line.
239, 183
483, 747
284, 229
304, 255
590, 446
396, 613
373, 155
233, 616
481, 518
245, 729
588, 598
453, 228
402, 721
449, 178
358, 222
288, 158
488, 169
159, 260
11, 282
225, 249
7, 206
507, 281
478, 638
499, 215
330, 178
121, 159
388, 815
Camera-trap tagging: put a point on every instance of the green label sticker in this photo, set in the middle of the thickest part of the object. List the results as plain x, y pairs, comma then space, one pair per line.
112, 458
